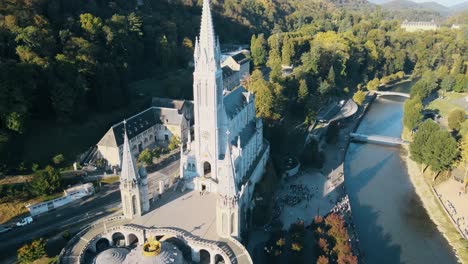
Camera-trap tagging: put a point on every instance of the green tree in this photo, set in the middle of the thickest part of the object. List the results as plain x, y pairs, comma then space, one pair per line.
455, 119
28, 253
258, 49
46, 182
359, 97
461, 83
91, 24
146, 157
447, 84
303, 91
287, 51
373, 85
442, 150
58, 159
412, 113
419, 147
324, 87
174, 143
331, 78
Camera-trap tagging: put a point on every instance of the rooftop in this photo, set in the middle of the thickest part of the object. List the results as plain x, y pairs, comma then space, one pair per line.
190, 211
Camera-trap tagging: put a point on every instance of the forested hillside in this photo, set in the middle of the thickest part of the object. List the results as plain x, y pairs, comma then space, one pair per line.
64, 60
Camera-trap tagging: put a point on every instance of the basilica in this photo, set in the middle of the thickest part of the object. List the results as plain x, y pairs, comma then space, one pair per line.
228, 153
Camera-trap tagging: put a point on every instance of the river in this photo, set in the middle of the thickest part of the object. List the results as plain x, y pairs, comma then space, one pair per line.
390, 221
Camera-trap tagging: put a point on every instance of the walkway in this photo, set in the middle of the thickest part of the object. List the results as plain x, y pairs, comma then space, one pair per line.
407, 95
377, 139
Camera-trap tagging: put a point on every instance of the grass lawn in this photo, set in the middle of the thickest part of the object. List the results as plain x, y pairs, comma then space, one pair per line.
450, 102
110, 179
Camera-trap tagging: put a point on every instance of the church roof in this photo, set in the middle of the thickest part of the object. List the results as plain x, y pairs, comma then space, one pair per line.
111, 256
246, 134
168, 103
169, 254
234, 101
227, 72
139, 123
240, 58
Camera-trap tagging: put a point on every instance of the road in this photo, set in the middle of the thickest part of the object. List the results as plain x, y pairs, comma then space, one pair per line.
76, 214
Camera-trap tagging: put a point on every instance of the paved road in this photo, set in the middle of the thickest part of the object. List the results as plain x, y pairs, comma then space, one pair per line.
75, 214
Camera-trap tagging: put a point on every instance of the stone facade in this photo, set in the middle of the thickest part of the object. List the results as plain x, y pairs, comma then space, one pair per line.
228, 151
159, 123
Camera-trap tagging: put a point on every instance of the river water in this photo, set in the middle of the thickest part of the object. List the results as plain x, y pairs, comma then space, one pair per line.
390, 221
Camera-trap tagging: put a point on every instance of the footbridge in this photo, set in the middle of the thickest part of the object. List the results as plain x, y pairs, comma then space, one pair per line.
380, 93
377, 139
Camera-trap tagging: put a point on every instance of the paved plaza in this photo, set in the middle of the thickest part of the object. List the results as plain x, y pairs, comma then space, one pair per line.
189, 210
306, 195
455, 201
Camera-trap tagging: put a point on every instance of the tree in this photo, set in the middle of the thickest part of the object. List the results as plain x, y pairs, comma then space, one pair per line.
447, 84
146, 157
442, 151
331, 78
373, 85
322, 260
258, 49
419, 147
455, 119
287, 51
174, 143
461, 83
412, 113
90, 23
46, 182
58, 159
324, 87
28, 253
303, 91
359, 97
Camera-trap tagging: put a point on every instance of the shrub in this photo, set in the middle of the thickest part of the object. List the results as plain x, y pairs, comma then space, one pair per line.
455, 119
359, 97
31, 252
58, 159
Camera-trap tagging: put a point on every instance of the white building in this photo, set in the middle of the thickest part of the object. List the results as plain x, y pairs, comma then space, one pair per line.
236, 67
228, 153
164, 119
419, 26
69, 195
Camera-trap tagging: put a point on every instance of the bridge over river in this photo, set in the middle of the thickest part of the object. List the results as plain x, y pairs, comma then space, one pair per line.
377, 139
380, 93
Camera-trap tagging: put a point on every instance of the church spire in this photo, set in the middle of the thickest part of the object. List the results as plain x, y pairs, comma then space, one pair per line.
207, 50
227, 183
129, 170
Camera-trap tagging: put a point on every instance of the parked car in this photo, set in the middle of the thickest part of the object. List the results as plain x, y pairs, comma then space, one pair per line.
5, 229
25, 221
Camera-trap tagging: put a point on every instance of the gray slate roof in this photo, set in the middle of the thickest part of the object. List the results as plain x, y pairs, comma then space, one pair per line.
240, 58
139, 123
235, 100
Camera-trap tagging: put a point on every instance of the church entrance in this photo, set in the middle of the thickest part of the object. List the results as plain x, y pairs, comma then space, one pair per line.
206, 169
203, 187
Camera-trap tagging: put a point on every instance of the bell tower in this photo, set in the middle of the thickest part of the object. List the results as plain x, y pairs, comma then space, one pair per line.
208, 98
133, 184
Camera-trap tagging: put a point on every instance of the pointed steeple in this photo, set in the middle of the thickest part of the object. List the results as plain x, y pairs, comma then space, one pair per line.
227, 182
206, 46
129, 170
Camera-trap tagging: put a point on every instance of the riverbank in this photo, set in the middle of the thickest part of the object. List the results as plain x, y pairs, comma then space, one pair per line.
435, 210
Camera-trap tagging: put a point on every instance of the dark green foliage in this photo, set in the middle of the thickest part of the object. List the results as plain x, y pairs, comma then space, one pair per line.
30, 252
258, 49
425, 86
412, 112
420, 144
46, 182
434, 147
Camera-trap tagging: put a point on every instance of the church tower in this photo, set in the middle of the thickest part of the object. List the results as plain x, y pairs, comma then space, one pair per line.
210, 116
133, 184
227, 205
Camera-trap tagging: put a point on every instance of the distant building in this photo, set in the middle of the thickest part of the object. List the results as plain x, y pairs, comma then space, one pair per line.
159, 123
69, 195
455, 26
235, 66
419, 26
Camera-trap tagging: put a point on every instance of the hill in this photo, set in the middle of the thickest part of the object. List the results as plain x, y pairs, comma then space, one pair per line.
409, 5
